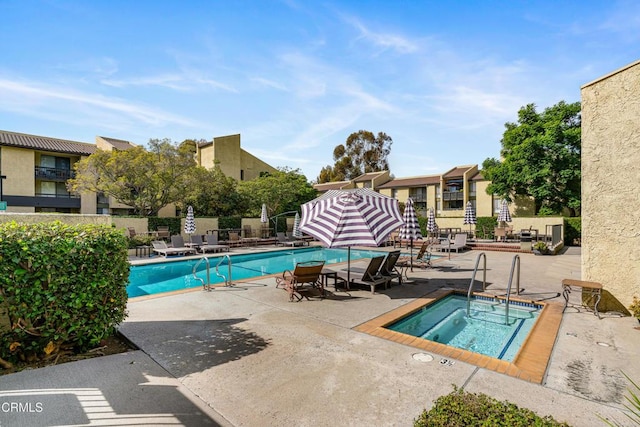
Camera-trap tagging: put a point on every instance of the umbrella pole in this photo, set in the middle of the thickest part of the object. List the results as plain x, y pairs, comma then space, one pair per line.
411, 253
348, 266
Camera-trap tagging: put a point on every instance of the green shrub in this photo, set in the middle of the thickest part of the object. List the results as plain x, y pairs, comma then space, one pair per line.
173, 223
61, 286
460, 408
485, 226
139, 240
234, 222
572, 231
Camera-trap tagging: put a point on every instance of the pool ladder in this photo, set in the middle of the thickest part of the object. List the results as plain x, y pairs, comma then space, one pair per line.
515, 266
208, 285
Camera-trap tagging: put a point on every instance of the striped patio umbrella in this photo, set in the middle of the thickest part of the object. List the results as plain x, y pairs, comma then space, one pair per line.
190, 222
353, 217
263, 215
296, 227
431, 222
504, 215
411, 229
469, 215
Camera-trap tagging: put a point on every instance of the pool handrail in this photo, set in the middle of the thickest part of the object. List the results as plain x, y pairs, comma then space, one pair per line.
514, 263
207, 285
227, 280
473, 278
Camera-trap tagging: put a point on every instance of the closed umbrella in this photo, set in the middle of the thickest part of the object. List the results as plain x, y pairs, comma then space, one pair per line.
350, 217
296, 227
190, 222
469, 215
264, 219
431, 222
411, 228
504, 215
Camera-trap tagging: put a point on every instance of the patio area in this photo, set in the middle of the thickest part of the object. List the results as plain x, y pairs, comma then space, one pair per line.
256, 359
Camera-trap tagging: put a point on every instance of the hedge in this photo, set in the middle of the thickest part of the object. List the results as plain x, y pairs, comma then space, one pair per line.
61, 286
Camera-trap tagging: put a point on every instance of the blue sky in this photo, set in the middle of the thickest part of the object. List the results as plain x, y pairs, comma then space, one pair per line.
295, 78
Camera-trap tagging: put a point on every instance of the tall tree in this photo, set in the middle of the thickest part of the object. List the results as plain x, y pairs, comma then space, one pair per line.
146, 180
540, 158
212, 193
363, 152
282, 191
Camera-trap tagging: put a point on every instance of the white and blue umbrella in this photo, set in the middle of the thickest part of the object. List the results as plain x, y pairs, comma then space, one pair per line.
410, 230
190, 222
296, 227
504, 215
351, 217
469, 215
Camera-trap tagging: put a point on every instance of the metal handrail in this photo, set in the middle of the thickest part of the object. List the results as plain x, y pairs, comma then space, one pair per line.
473, 279
205, 286
513, 266
227, 281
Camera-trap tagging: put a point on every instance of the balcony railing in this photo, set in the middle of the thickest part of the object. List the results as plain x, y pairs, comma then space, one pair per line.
58, 196
453, 195
54, 174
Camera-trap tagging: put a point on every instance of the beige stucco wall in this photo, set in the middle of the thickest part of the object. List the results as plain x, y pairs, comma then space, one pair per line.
611, 182
46, 217
18, 166
226, 151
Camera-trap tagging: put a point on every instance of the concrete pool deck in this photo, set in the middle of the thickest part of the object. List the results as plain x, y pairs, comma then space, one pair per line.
245, 356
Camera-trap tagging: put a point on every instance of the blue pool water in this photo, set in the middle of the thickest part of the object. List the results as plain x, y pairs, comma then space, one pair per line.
175, 275
484, 331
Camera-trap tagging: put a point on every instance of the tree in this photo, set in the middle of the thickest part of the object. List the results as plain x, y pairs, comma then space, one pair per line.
212, 193
363, 152
146, 180
282, 191
540, 158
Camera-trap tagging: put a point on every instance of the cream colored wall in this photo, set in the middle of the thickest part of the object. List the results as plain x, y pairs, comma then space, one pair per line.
484, 201
202, 225
253, 166
88, 202
610, 183
18, 166
226, 150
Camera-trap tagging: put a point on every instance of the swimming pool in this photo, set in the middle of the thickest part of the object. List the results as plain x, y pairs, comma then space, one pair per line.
486, 330
170, 276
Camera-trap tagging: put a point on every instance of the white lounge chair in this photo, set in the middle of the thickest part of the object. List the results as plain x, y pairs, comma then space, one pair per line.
160, 247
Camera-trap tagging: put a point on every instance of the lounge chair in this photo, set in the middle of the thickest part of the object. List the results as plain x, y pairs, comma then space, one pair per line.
212, 241
160, 247
305, 273
388, 267
198, 244
234, 239
422, 259
369, 276
459, 242
177, 242
283, 240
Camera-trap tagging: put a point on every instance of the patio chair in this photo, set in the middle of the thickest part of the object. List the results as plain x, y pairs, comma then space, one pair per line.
177, 242
234, 239
162, 231
199, 245
422, 259
369, 276
212, 242
458, 243
160, 247
305, 273
388, 267
283, 240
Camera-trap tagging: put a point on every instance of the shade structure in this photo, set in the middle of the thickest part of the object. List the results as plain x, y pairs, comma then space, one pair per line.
504, 215
469, 215
431, 222
190, 221
263, 215
410, 230
353, 217
296, 227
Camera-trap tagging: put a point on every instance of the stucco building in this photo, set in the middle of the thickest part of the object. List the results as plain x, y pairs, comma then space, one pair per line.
611, 183
36, 169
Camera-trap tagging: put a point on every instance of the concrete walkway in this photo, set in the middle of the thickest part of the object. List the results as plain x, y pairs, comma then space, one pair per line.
245, 356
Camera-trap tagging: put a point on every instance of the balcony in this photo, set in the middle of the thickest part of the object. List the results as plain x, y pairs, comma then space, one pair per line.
44, 201
54, 174
452, 195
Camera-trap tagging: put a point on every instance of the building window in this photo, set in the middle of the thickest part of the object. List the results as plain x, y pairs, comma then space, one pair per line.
418, 194
241, 174
394, 193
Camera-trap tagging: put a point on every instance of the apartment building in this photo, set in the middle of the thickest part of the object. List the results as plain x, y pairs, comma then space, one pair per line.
446, 193
35, 170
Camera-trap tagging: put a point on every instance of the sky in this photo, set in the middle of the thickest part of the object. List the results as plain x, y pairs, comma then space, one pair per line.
296, 77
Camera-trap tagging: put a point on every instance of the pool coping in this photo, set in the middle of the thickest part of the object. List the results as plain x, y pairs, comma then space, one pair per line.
529, 364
